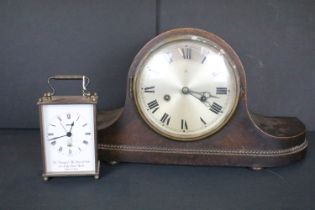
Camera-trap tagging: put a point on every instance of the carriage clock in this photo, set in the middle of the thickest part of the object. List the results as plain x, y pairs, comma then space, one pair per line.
186, 103
68, 132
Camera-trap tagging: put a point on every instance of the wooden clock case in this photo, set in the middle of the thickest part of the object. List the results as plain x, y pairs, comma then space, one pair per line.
248, 139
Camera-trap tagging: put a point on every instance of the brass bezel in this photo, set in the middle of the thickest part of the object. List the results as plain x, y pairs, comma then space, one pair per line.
186, 34
68, 100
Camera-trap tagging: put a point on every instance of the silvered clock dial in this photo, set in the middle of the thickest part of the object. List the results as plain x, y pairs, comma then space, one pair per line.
186, 88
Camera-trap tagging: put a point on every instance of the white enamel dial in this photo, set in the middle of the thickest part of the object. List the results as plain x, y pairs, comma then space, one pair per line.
69, 143
68, 133
186, 89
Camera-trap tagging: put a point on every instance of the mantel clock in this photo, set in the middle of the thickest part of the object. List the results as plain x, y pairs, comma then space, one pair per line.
186, 103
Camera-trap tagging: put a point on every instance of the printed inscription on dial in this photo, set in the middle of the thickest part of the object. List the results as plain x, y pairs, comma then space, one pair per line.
68, 133
186, 89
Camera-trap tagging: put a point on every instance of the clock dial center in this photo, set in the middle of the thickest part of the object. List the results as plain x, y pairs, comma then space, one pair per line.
167, 97
185, 90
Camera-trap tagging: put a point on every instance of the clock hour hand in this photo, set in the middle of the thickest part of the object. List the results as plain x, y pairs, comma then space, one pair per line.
206, 95
72, 124
202, 96
196, 95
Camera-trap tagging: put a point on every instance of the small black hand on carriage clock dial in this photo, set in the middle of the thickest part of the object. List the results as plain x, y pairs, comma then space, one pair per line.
57, 137
67, 134
72, 124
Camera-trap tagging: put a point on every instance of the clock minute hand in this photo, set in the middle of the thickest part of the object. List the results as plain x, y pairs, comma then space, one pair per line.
197, 95
208, 95
57, 137
203, 95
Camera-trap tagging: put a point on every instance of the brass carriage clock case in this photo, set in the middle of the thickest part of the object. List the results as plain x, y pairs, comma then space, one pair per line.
240, 138
69, 132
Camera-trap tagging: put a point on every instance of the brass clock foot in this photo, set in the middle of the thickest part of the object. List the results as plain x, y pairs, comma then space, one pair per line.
113, 162
257, 168
45, 178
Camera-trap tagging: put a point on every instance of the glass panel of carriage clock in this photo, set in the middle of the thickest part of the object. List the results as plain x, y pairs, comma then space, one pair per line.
68, 137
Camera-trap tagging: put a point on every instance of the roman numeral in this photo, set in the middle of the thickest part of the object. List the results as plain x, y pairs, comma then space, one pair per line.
69, 116
215, 108
60, 149
84, 125
166, 118
88, 134
184, 125
203, 121
168, 58
77, 118
221, 90
185, 53
53, 143
149, 89
85, 142
50, 134
204, 59
70, 151
153, 105
52, 125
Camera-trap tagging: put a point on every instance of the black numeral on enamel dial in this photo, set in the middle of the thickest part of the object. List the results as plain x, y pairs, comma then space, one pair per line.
165, 119
216, 108
153, 106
